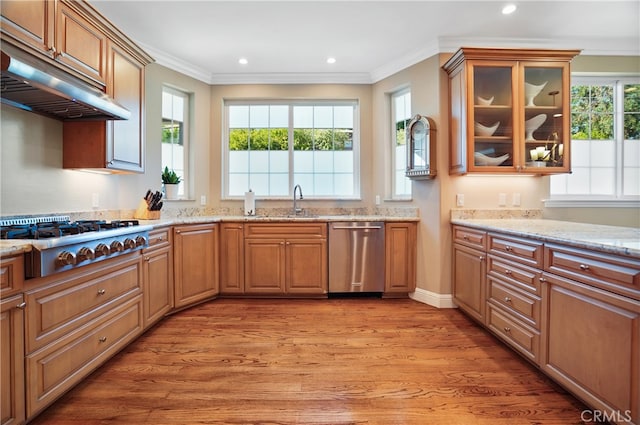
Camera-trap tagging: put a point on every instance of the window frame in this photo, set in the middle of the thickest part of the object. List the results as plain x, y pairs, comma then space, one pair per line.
291, 103
394, 196
185, 180
617, 200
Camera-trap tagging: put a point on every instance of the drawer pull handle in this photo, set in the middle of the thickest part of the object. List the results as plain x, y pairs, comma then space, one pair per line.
102, 291
507, 299
22, 305
508, 248
507, 329
103, 339
584, 267
507, 272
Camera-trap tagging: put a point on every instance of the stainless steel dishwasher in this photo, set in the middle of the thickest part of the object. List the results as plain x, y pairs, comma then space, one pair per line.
356, 257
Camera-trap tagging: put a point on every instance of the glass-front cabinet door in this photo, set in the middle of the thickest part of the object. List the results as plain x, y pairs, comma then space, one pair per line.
546, 125
509, 110
493, 115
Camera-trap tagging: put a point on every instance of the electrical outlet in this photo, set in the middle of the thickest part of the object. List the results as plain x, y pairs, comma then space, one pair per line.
502, 199
459, 200
377, 199
203, 200
95, 200
516, 200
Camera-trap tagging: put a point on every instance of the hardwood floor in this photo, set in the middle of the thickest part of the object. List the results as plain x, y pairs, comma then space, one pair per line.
336, 361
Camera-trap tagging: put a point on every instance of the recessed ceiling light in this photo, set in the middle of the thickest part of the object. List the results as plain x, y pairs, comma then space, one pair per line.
331, 60
509, 9
243, 61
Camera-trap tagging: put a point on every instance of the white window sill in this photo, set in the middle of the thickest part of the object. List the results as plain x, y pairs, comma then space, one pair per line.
591, 203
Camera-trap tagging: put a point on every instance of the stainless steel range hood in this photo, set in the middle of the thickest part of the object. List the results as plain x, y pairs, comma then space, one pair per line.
35, 86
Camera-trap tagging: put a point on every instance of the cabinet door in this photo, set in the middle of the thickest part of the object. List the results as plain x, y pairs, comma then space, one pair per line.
195, 263
592, 345
493, 128
125, 138
29, 23
469, 269
306, 266
264, 266
12, 361
231, 258
80, 44
400, 257
158, 285
545, 134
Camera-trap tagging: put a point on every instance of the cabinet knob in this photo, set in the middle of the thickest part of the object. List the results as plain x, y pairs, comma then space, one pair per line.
481, 258
103, 339
102, 291
177, 231
542, 279
508, 248
22, 305
507, 329
507, 299
508, 272
584, 267
465, 237
146, 258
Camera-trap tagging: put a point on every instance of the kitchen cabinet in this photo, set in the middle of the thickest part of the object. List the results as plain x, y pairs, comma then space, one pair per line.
157, 272
12, 384
513, 292
469, 271
400, 257
68, 34
195, 262
509, 110
286, 258
115, 145
573, 312
76, 320
231, 258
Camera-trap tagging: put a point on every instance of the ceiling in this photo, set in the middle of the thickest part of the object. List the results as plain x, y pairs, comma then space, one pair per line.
290, 41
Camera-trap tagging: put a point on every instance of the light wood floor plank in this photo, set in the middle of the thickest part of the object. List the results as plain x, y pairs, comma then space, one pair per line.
336, 361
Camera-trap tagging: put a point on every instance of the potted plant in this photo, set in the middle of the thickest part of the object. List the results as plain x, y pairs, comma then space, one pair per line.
170, 180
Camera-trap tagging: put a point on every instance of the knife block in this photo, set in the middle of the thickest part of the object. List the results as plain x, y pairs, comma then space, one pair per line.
142, 213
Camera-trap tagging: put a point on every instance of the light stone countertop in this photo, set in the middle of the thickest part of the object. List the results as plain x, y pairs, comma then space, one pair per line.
19, 246
610, 239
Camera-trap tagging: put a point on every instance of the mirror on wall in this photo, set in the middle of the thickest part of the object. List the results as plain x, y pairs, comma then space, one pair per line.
421, 152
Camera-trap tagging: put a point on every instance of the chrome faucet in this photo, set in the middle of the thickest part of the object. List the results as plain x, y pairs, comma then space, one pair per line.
296, 210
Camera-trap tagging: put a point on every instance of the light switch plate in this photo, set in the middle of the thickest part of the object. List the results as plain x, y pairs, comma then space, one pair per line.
95, 200
502, 199
516, 199
460, 200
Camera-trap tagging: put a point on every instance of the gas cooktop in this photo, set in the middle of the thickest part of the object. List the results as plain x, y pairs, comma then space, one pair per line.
58, 227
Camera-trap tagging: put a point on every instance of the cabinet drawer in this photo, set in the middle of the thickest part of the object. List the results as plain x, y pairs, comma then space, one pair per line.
617, 274
67, 305
285, 230
518, 335
61, 365
470, 237
11, 275
159, 238
525, 307
525, 278
522, 250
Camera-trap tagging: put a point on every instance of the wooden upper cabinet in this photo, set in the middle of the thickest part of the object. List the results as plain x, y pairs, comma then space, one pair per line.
29, 24
509, 110
80, 44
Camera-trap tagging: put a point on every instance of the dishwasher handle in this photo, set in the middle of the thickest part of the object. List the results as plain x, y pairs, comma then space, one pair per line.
357, 228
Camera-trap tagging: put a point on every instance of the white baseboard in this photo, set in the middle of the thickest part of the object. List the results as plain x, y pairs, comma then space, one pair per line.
433, 299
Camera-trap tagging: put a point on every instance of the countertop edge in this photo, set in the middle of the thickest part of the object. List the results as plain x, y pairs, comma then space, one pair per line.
579, 235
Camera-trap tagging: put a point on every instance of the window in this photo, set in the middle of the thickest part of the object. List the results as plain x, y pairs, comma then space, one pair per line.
400, 117
272, 146
175, 134
605, 142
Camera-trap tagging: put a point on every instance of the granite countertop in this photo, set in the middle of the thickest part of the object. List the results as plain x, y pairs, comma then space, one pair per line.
611, 239
15, 247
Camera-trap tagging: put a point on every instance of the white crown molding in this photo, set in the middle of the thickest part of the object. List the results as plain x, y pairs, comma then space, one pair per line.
590, 47
293, 78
